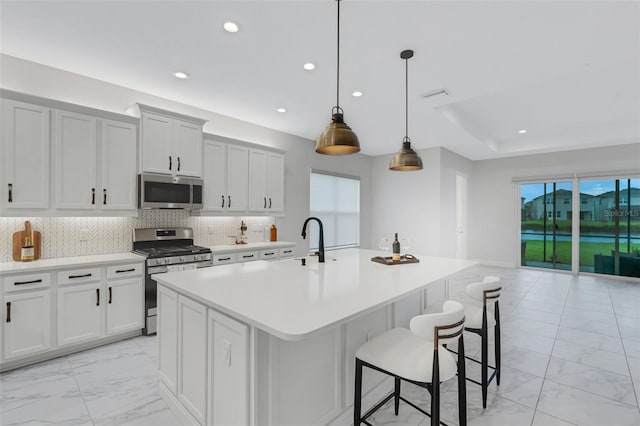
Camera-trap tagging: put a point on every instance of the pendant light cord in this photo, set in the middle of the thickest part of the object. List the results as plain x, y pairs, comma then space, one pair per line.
338, 62
406, 99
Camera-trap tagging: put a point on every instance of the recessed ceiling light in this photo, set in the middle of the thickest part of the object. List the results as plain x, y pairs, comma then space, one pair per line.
281, 110
523, 131
231, 27
309, 66
181, 75
357, 93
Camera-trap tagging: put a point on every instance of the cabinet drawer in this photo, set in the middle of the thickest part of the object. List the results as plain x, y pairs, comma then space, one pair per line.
287, 252
248, 256
75, 276
269, 254
26, 282
122, 271
223, 259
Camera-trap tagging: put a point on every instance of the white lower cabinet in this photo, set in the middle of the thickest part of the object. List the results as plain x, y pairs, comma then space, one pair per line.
124, 305
228, 363
192, 355
27, 323
97, 306
168, 338
204, 361
80, 313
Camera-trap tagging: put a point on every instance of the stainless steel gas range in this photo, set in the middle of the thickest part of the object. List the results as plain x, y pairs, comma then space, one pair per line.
166, 250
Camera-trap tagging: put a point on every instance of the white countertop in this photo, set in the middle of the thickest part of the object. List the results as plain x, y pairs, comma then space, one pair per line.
232, 248
291, 301
67, 262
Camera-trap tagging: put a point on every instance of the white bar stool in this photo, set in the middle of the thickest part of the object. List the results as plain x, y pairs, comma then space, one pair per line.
478, 321
417, 356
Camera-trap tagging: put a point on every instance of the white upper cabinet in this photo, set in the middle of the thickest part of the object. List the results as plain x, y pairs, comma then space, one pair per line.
118, 186
95, 163
75, 153
226, 177
275, 182
266, 181
171, 143
157, 143
24, 156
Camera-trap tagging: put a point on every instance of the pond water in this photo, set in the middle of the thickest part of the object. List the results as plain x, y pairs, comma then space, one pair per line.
539, 236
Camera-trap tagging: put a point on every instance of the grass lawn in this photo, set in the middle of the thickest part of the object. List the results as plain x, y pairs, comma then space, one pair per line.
563, 249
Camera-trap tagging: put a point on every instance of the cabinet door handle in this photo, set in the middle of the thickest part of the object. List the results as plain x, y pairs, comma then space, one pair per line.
287, 251
109, 294
269, 254
79, 276
27, 282
93, 195
8, 311
222, 201
170, 163
178, 163
97, 297
247, 256
10, 193
120, 271
104, 196
229, 203
265, 203
269, 202
224, 258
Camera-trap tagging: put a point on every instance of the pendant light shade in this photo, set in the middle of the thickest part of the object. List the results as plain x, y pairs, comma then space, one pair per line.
406, 159
338, 138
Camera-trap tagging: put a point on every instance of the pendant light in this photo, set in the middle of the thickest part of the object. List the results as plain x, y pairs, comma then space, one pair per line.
406, 159
337, 138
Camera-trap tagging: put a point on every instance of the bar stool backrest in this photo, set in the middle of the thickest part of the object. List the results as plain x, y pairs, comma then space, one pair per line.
442, 327
487, 290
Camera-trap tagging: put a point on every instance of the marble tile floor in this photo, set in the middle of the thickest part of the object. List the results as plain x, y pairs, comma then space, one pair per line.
570, 356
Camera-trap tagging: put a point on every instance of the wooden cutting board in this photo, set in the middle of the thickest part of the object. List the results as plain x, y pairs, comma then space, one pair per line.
18, 241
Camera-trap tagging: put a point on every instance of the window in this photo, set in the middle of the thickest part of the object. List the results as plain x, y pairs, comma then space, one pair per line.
558, 213
549, 214
335, 200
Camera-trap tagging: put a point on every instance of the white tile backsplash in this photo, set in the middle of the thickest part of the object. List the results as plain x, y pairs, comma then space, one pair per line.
61, 235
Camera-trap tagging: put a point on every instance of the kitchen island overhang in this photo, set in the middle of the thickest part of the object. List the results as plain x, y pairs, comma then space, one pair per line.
296, 329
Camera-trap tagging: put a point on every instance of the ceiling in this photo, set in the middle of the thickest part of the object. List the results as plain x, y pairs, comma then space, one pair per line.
567, 72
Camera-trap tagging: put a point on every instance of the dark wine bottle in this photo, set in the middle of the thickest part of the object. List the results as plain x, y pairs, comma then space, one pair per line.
396, 250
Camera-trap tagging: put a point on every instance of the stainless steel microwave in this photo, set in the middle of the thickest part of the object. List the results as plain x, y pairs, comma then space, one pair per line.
169, 192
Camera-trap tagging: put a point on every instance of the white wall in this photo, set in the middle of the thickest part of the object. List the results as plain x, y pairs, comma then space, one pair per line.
493, 204
407, 202
39, 80
418, 204
451, 166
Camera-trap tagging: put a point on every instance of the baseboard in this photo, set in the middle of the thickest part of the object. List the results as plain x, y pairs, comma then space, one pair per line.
183, 416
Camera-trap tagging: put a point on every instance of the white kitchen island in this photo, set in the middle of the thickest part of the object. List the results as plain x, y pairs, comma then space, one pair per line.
273, 343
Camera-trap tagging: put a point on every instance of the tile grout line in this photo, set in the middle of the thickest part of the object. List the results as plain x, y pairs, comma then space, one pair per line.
624, 350
544, 378
73, 371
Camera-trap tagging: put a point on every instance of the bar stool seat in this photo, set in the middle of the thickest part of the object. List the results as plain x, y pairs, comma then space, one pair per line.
407, 355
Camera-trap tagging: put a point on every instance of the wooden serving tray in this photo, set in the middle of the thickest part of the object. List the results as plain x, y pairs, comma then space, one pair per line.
408, 258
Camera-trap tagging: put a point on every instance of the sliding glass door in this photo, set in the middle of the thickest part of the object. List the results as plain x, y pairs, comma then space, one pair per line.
546, 218
606, 237
610, 227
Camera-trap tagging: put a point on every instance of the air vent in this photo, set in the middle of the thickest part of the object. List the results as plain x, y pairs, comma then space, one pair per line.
437, 92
